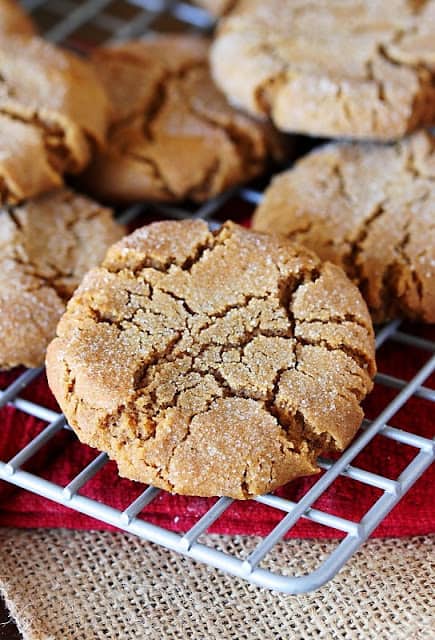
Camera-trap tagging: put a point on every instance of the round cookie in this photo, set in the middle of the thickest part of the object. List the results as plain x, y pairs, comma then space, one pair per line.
360, 68
14, 20
369, 209
173, 135
53, 111
213, 363
46, 247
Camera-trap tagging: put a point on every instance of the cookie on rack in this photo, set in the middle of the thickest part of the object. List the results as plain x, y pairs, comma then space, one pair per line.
213, 363
14, 20
46, 247
53, 112
173, 135
369, 209
358, 69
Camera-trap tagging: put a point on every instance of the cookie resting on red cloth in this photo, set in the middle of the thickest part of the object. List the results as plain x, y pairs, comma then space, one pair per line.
63, 457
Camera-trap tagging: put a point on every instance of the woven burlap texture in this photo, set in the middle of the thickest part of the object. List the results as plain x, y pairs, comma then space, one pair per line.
70, 585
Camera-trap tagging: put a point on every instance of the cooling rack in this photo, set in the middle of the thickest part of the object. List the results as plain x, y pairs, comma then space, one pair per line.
79, 25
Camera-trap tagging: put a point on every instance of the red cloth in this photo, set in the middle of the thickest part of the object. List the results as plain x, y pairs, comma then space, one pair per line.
64, 457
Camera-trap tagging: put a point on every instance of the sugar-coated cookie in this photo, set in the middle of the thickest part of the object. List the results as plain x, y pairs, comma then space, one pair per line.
173, 135
46, 247
213, 363
53, 112
370, 209
352, 68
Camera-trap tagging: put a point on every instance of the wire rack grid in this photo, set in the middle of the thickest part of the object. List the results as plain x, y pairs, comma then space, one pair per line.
66, 20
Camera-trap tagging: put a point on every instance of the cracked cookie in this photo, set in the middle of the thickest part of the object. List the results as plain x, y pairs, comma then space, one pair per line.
213, 363
14, 20
369, 209
53, 112
46, 247
360, 68
173, 135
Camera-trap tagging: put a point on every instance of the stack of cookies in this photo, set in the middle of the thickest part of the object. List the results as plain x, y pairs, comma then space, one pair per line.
217, 363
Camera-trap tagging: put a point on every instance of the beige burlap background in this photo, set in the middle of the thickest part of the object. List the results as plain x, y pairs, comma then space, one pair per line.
69, 585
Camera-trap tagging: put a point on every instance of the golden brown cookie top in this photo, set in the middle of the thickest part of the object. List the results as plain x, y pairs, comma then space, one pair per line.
53, 112
46, 247
14, 20
173, 135
369, 209
360, 68
213, 363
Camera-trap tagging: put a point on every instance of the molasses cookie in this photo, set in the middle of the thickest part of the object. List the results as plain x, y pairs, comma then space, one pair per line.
369, 209
53, 112
173, 135
46, 247
213, 363
360, 68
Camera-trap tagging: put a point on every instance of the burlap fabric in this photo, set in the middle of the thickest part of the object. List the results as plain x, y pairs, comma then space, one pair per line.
71, 585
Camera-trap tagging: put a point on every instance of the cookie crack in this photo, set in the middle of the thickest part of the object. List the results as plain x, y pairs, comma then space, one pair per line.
161, 473
140, 375
15, 219
334, 319
293, 423
265, 91
244, 484
241, 141
305, 228
202, 368
393, 276
423, 94
338, 173
358, 356
220, 315
205, 185
58, 155
149, 118
270, 402
44, 280
155, 169
384, 52
32, 269
352, 256
414, 170
288, 287
154, 108
213, 240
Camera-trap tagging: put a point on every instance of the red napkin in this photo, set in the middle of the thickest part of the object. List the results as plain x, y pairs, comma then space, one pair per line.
61, 459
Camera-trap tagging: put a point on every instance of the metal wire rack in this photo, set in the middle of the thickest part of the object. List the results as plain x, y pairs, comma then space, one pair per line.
68, 22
